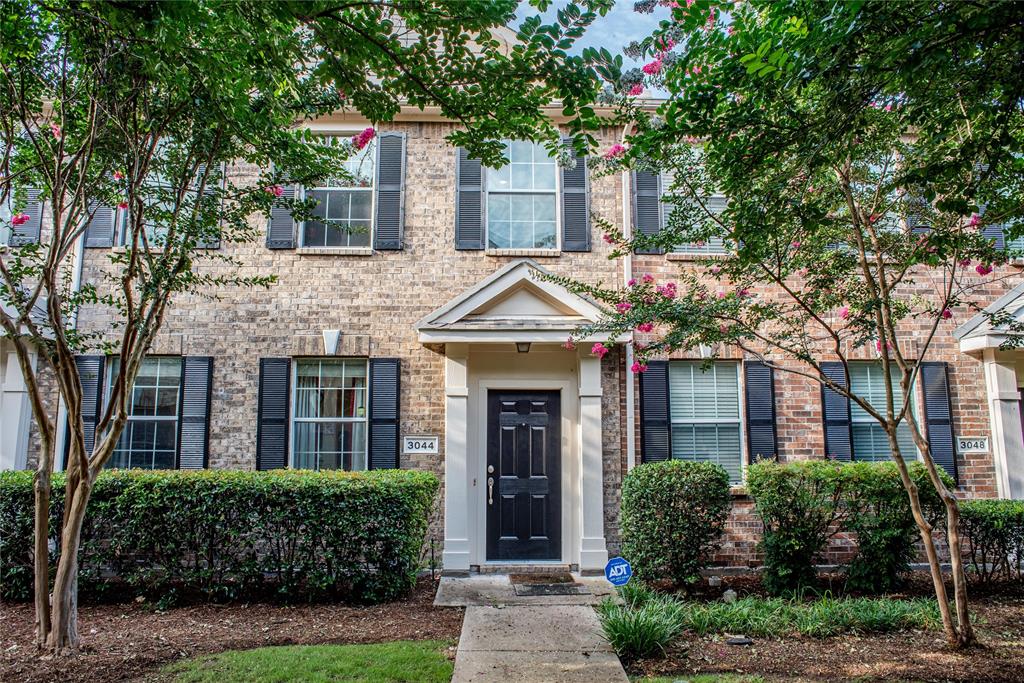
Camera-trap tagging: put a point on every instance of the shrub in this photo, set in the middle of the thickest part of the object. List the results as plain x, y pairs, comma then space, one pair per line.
225, 535
878, 511
820, 618
673, 515
642, 629
799, 504
994, 534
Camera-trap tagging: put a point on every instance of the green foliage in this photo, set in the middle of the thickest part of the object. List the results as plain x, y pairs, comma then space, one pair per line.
878, 512
819, 618
799, 505
673, 516
640, 629
377, 663
994, 531
230, 535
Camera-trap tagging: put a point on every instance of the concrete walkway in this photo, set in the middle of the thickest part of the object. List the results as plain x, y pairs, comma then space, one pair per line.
556, 638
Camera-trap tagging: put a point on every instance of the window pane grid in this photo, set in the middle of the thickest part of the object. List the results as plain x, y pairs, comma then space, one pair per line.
705, 414
869, 439
330, 414
522, 199
150, 437
343, 215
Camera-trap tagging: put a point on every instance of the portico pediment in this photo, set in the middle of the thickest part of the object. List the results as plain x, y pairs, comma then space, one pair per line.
516, 303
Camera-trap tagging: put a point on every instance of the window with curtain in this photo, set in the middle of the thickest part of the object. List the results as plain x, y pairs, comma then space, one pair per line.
870, 442
150, 437
329, 418
705, 413
522, 198
344, 209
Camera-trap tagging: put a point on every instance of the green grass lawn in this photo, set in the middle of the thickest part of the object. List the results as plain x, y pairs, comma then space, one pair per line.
401, 661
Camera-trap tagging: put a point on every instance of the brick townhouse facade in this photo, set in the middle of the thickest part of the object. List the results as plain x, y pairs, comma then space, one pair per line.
421, 335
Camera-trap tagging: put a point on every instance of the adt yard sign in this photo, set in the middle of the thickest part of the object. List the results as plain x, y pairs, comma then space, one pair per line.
618, 571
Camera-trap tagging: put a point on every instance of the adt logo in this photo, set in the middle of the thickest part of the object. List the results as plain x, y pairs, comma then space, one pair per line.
618, 571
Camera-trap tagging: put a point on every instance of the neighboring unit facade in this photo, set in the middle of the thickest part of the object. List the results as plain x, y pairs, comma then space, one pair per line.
426, 336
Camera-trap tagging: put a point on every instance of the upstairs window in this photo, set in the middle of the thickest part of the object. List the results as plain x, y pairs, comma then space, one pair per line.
343, 216
150, 438
329, 419
870, 442
521, 199
705, 414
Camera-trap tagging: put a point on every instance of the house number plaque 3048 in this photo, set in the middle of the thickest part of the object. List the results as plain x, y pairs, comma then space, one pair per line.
419, 444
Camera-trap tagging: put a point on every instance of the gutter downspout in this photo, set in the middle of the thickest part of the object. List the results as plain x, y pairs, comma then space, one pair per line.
627, 275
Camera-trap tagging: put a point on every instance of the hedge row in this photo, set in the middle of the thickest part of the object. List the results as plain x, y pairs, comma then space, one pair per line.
226, 535
994, 534
804, 504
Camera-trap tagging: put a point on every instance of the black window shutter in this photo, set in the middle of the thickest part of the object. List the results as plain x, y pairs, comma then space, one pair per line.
272, 417
996, 234
576, 206
469, 202
389, 222
655, 429
917, 208
762, 440
281, 231
385, 381
28, 232
938, 416
194, 425
835, 410
647, 206
99, 232
90, 373
213, 241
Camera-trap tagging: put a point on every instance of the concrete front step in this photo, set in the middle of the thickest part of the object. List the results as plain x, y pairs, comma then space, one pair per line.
523, 569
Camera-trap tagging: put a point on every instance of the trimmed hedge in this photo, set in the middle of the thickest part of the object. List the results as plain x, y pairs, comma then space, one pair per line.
673, 516
225, 535
804, 504
994, 538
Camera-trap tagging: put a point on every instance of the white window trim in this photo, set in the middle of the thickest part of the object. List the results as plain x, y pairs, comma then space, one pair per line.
524, 251
300, 241
741, 421
293, 405
108, 364
916, 406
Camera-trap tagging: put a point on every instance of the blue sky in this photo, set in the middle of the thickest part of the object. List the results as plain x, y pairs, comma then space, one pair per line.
619, 27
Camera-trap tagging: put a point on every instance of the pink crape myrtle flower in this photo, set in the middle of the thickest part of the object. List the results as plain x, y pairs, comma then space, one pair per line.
637, 89
715, 270
118, 175
599, 350
56, 131
608, 238
275, 190
983, 269
616, 151
647, 278
652, 68
569, 344
721, 295
844, 312
623, 306
668, 290
645, 327
123, 205
19, 219
638, 367
631, 282
946, 314
362, 139
965, 262
975, 220
795, 245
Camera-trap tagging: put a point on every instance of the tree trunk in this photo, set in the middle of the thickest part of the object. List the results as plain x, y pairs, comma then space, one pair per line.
41, 557
63, 638
956, 562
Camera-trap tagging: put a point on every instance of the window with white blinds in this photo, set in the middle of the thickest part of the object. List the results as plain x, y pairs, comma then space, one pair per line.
869, 439
712, 245
705, 413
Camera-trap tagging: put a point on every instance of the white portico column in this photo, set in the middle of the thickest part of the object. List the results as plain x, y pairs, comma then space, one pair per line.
1007, 439
456, 454
593, 550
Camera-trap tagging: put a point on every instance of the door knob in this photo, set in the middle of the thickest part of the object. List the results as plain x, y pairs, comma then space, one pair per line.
490, 490
490, 469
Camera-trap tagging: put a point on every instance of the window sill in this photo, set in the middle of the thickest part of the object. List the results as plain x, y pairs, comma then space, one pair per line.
335, 251
693, 256
542, 253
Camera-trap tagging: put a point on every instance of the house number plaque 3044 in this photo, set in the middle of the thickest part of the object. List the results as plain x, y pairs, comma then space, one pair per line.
419, 444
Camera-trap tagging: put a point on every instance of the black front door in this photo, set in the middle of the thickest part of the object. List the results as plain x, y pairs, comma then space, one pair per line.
524, 512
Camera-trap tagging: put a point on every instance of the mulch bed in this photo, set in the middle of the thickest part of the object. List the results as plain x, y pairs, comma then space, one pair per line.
913, 655
122, 642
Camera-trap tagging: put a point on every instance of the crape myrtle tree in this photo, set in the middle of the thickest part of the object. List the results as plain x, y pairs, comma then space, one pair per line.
142, 105
869, 153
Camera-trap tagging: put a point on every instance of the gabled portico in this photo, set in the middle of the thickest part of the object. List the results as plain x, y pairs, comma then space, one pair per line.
520, 403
